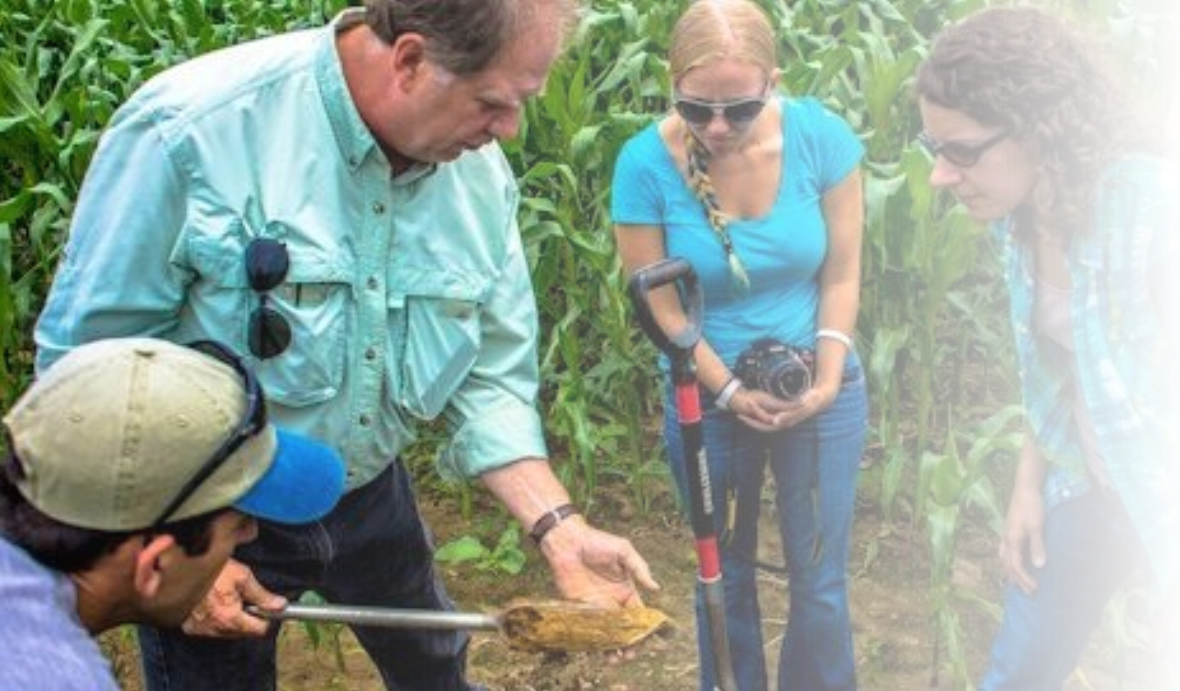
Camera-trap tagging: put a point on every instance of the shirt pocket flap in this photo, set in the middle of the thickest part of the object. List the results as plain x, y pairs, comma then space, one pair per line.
441, 337
313, 298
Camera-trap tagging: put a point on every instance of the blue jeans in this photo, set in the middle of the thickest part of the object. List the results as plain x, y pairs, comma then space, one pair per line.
373, 549
815, 467
1090, 551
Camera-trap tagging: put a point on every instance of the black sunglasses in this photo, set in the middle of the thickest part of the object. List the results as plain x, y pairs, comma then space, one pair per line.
267, 262
253, 422
737, 113
960, 154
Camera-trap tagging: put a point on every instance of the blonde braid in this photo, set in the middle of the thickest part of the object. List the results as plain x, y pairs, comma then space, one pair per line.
702, 186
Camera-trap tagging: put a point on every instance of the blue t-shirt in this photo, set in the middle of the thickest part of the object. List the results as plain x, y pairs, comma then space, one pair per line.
43, 644
782, 251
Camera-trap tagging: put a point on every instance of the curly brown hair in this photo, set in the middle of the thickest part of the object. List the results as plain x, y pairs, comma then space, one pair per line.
1048, 83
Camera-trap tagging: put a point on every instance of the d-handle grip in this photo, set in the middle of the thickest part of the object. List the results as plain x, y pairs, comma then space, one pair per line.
663, 272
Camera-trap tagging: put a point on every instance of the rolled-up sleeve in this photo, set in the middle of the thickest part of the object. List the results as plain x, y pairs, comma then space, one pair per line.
116, 277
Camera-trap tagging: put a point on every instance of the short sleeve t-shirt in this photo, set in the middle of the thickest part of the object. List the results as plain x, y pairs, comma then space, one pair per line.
782, 251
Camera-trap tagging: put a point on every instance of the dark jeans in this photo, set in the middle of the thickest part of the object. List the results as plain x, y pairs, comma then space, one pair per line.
815, 468
373, 549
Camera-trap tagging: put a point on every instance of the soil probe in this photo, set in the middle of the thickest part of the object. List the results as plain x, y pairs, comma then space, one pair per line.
548, 626
678, 347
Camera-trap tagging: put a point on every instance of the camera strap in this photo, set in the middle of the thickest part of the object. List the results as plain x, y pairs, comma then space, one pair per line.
734, 499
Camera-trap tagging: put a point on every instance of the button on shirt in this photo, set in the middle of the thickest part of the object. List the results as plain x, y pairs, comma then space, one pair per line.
409, 297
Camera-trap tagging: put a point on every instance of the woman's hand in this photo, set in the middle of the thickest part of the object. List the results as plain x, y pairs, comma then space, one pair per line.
766, 413
1022, 546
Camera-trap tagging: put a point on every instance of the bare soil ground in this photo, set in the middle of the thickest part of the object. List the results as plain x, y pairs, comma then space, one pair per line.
891, 617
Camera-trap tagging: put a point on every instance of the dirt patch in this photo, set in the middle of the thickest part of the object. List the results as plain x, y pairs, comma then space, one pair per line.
890, 606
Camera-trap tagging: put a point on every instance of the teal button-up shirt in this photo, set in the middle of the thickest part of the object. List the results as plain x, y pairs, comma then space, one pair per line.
408, 297
1125, 291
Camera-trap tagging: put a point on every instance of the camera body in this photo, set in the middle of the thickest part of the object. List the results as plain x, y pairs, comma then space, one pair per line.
782, 370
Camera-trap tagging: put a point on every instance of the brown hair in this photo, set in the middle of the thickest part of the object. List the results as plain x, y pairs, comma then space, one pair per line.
69, 548
463, 36
1049, 85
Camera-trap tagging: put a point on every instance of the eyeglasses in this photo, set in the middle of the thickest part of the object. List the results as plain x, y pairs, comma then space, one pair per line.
267, 262
958, 153
737, 113
253, 422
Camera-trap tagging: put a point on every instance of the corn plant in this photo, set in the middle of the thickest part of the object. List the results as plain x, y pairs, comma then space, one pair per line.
598, 371
931, 332
65, 66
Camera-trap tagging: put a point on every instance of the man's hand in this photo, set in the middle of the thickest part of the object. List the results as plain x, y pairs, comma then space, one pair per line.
221, 614
593, 566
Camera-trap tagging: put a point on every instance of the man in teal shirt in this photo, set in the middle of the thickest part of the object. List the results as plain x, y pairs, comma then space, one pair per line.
333, 203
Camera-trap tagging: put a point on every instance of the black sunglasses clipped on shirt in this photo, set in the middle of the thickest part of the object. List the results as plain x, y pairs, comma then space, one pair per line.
253, 422
267, 263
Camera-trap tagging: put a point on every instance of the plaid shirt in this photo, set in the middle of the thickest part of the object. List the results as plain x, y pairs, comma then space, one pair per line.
1124, 272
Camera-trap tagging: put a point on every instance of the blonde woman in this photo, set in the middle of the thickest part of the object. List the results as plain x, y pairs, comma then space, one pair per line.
761, 193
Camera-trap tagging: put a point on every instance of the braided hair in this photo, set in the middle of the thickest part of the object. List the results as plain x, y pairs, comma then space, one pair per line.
702, 186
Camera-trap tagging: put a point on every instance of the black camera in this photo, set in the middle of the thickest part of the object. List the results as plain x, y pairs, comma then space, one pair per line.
777, 368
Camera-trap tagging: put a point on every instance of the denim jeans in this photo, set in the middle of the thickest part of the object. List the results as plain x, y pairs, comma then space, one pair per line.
1090, 551
814, 466
373, 549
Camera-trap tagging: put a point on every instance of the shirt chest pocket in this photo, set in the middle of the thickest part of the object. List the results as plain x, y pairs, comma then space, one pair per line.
436, 322
314, 299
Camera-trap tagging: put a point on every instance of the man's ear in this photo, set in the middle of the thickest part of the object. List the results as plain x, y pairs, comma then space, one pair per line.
408, 60
150, 566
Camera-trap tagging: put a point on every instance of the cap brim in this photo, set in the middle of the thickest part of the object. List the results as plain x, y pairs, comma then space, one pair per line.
303, 483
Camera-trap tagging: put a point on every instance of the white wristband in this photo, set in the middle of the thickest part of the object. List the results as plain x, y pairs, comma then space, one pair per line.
725, 395
835, 336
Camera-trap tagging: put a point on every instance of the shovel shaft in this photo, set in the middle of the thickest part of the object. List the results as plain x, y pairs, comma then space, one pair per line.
383, 617
679, 349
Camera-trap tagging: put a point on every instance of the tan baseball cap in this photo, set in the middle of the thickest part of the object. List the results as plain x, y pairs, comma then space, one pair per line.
109, 435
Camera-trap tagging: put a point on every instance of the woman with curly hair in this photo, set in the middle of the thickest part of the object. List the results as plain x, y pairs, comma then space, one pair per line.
1030, 131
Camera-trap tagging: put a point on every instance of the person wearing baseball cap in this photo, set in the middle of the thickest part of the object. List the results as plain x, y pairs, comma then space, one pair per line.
131, 470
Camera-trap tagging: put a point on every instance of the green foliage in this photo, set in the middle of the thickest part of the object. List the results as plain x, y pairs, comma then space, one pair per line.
505, 557
931, 333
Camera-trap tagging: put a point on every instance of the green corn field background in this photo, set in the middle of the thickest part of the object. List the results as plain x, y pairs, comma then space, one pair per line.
931, 332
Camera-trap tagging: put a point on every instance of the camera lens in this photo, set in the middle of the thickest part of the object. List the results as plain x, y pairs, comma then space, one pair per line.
788, 378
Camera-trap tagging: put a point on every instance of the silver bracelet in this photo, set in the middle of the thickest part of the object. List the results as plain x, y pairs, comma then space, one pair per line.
835, 336
725, 395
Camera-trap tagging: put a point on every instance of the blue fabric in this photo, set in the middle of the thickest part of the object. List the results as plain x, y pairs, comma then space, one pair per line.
409, 298
1043, 634
782, 251
814, 467
43, 644
373, 550
303, 482
1123, 310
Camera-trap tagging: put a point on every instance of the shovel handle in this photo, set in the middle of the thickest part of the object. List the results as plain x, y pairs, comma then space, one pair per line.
381, 617
679, 345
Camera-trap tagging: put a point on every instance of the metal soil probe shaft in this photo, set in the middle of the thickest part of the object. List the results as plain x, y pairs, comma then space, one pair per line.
384, 617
